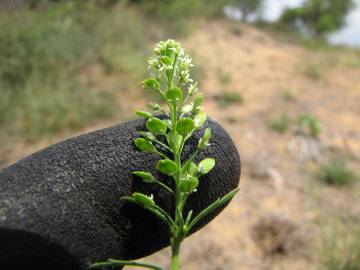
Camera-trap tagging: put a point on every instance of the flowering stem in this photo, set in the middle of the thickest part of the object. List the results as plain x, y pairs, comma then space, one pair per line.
169, 64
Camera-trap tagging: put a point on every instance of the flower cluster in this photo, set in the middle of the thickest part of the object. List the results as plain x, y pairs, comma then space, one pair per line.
169, 59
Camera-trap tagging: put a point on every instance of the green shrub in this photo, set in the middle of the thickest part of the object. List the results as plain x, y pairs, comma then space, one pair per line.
319, 17
310, 124
227, 98
340, 249
43, 54
312, 71
224, 77
336, 172
280, 124
288, 95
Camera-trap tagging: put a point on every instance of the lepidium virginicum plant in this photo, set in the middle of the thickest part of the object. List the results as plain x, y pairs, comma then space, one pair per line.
169, 67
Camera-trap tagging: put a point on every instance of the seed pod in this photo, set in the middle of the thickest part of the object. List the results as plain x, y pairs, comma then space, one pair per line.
167, 166
206, 166
185, 126
174, 95
189, 184
156, 126
144, 114
197, 103
204, 141
151, 83
190, 169
145, 176
147, 135
146, 201
200, 119
154, 106
144, 145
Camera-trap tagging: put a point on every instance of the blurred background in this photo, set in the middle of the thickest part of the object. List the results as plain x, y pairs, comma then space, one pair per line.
283, 77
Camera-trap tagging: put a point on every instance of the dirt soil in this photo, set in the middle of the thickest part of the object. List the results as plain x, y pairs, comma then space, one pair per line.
274, 77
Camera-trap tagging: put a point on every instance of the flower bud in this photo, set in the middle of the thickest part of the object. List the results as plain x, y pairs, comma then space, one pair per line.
166, 60
193, 89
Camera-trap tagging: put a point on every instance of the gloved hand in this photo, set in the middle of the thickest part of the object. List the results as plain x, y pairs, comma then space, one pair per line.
60, 208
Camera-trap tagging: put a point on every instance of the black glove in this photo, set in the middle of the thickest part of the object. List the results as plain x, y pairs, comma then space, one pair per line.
60, 208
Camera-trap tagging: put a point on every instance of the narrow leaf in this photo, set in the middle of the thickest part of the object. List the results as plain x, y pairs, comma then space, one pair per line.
219, 202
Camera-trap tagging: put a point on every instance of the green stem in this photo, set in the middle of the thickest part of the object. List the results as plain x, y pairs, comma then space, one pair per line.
165, 187
175, 255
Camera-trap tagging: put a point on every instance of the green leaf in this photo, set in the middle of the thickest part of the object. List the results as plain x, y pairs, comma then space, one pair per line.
144, 114
185, 126
189, 184
144, 145
156, 126
167, 166
174, 95
116, 263
145, 176
143, 199
204, 141
200, 119
219, 202
206, 166
151, 83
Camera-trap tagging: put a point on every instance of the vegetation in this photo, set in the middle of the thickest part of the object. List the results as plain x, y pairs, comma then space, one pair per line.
226, 98
288, 95
312, 71
336, 172
45, 57
247, 7
170, 70
42, 59
318, 16
340, 248
224, 77
310, 125
280, 124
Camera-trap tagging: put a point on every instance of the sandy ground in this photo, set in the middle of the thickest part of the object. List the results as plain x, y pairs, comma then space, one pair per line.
273, 223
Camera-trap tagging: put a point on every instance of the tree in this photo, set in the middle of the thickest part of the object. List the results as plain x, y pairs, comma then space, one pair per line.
247, 7
319, 17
